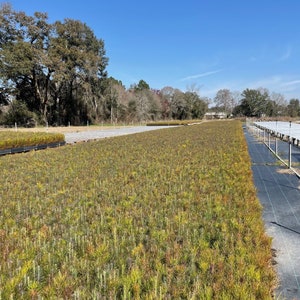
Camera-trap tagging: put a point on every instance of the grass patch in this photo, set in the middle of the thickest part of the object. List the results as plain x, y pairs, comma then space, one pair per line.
10, 139
168, 214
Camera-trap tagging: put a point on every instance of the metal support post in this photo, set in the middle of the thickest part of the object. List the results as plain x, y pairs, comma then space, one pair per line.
290, 154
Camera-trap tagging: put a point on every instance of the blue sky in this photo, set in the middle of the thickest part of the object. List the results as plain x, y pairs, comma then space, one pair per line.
209, 44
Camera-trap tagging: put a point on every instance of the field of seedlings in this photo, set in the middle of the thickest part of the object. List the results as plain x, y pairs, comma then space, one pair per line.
11, 139
167, 214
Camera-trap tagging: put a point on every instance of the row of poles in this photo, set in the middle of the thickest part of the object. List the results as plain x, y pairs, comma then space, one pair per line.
267, 142
289, 164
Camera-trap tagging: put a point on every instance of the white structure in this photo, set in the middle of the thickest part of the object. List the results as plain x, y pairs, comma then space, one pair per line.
284, 130
215, 115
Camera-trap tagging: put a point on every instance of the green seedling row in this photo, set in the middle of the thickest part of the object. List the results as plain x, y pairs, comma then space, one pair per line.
168, 214
12, 139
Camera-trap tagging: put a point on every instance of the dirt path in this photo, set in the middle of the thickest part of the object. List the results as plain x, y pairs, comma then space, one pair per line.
75, 134
83, 136
65, 129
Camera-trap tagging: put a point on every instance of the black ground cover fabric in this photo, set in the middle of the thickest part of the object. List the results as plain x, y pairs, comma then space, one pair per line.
278, 190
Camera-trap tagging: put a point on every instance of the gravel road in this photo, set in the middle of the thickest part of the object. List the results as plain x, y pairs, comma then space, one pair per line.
83, 136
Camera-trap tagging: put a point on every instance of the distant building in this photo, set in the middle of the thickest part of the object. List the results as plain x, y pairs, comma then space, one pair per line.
215, 115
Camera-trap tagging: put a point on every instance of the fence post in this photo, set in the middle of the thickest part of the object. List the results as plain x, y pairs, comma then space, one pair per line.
276, 133
290, 153
290, 146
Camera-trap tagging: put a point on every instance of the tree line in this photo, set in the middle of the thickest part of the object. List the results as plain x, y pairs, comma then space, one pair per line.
55, 73
256, 103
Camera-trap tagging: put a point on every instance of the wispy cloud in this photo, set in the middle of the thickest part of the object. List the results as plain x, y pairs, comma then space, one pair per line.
286, 55
288, 86
268, 82
279, 84
291, 87
291, 83
200, 75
